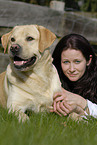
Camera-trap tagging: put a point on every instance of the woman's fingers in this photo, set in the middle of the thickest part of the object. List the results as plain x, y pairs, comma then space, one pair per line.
68, 106
79, 110
59, 99
55, 109
65, 107
57, 95
59, 109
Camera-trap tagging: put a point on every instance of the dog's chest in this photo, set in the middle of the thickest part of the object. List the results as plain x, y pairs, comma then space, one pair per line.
34, 93
35, 101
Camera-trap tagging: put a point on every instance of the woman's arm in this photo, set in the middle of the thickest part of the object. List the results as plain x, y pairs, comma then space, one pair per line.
66, 102
70, 98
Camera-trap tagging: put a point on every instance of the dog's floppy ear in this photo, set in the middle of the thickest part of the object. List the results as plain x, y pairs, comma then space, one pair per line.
4, 40
46, 38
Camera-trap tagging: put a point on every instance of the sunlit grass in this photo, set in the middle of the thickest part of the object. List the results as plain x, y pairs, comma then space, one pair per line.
46, 129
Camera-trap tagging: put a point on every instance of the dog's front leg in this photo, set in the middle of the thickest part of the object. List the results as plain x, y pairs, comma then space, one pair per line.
18, 112
15, 103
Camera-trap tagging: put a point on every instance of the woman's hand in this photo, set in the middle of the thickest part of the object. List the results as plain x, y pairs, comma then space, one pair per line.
66, 102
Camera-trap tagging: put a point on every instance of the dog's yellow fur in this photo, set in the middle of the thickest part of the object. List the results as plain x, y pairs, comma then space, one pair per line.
3, 97
32, 87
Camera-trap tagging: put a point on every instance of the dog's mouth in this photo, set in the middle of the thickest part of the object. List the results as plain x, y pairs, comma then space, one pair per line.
20, 63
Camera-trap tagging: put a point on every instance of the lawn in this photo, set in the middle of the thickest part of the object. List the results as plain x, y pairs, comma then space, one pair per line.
46, 129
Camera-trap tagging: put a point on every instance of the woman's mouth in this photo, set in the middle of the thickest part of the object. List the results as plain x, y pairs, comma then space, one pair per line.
72, 75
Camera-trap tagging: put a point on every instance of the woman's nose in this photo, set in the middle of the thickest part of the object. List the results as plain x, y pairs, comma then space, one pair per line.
71, 68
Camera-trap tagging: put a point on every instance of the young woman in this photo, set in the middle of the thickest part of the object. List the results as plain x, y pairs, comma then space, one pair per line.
77, 68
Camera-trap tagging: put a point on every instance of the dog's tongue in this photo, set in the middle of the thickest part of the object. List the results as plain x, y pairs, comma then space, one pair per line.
20, 62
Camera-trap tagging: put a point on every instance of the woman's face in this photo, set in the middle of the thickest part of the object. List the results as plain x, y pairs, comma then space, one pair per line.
73, 64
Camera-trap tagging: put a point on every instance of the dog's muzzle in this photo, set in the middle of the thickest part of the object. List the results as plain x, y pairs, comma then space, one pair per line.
19, 62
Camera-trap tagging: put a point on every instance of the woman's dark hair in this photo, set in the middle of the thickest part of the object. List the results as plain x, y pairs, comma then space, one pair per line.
87, 85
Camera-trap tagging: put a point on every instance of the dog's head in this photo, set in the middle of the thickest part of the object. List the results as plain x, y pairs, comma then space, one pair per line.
26, 43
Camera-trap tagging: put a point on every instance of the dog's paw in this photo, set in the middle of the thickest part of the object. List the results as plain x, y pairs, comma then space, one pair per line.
22, 117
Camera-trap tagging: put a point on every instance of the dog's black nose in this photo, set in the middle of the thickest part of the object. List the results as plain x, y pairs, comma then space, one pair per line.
15, 48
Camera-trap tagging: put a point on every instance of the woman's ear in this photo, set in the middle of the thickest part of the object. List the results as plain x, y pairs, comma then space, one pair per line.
88, 63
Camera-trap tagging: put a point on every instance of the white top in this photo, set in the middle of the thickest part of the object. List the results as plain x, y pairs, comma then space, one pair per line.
92, 108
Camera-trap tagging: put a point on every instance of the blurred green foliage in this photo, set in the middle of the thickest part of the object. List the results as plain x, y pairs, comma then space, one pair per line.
89, 6
86, 5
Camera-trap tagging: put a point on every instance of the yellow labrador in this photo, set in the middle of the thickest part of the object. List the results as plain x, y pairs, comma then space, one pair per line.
30, 80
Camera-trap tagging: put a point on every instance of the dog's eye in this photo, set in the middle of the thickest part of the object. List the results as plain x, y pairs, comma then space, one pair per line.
29, 38
13, 39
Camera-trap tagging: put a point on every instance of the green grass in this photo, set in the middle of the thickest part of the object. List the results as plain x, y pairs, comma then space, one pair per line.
46, 129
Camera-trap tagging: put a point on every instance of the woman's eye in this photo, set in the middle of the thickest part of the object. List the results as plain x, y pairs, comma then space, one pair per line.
29, 38
77, 61
13, 39
66, 62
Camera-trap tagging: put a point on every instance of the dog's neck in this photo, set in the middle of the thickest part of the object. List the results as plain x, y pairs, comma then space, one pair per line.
45, 61
42, 71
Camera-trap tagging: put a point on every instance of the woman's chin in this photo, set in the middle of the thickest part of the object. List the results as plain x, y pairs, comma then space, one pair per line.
73, 79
